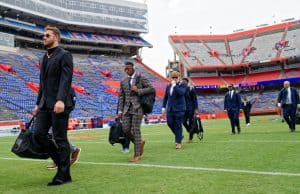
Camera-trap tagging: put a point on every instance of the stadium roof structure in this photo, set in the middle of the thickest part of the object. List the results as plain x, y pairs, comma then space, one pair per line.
117, 15
265, 44
111, 27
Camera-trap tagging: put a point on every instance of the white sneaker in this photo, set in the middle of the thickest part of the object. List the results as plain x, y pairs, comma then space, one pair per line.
125, 150
248, 124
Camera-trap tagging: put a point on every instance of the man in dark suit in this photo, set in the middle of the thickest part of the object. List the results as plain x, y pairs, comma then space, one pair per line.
54, 103
288, 100
232, 104
191, 108
175, 106
246, 106
131, 89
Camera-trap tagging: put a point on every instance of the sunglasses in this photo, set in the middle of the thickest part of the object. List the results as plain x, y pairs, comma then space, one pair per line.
174, 77
47, 35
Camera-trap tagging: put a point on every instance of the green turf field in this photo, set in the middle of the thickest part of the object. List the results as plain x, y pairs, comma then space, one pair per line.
265, 158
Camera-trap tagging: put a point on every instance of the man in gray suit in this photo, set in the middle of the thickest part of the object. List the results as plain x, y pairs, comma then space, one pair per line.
132, 87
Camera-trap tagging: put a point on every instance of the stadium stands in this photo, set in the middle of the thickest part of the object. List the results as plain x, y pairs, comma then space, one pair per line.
94, 99
263, 76
208, 81
87, 13
83, 36
251, 60
257, 45
104, 35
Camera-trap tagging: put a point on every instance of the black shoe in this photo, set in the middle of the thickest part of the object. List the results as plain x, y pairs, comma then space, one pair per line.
59, 182
233, 133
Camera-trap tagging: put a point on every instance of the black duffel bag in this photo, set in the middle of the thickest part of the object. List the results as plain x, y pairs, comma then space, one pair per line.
26, 146
116, 134
197, 127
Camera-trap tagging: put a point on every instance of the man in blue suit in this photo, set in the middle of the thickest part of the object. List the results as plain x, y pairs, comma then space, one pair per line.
175, 106
232, 105
191, 108
288, 100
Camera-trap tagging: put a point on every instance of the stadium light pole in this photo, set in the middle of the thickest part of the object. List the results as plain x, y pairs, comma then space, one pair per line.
175, 32
274, 18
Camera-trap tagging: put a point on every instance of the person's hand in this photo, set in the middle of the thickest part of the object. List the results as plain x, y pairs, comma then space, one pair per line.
225, 110
298, 105
59, 107
279, 105
134, 89
196, 111
35, 110
163, 111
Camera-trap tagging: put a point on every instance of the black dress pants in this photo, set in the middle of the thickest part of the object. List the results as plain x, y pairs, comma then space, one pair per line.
233, 115
247, 116
59, 150
289, 114
188, 120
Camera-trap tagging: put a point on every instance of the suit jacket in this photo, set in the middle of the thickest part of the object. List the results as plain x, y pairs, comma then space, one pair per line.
233, 103
282, 97
56, 75
247, 107
176, 101
128, 98
191, 99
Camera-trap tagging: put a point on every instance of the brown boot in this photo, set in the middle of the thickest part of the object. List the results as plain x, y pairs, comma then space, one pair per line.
75, 156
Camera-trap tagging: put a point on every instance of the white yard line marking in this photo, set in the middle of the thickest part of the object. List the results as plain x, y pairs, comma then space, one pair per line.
259, 141
104, 141
177, 167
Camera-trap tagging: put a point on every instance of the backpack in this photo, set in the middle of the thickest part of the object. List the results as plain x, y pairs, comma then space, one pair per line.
116, 134
197, 128
147, 101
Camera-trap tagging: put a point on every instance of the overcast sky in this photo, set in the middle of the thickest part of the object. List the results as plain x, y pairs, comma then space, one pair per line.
167, 17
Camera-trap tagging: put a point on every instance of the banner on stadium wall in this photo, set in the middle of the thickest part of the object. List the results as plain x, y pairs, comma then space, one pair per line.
7, 39
248, 84
207, 87
279, 81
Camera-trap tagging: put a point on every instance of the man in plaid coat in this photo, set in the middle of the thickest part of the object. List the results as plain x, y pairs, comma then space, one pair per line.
132, 87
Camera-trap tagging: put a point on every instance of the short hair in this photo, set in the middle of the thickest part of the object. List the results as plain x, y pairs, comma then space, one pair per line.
128, 63
186, 79
175, 74
55, 31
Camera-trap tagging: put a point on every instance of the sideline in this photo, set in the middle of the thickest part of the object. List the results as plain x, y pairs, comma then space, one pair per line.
175, 167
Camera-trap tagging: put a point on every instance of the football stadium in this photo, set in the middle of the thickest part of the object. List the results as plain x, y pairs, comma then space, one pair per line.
102, 35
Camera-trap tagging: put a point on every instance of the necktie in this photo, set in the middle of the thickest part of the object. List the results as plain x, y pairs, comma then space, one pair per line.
289, 99
171, 89
231, 94
129, 82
